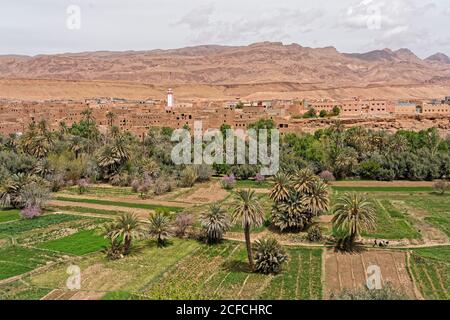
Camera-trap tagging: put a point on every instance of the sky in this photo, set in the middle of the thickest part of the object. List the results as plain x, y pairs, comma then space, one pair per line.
34, 27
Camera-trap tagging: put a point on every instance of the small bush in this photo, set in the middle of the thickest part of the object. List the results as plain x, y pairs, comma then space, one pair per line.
188, 177
30, 212
162, 186
204, 172
441, 186
314, 234
327, 176
269, 256
120, 180
83, 186
182, 222
259, 178
228, 182
135, 185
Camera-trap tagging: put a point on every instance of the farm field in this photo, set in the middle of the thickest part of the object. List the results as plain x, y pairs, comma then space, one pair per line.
347, 270
430, 267
408, 216
9, 215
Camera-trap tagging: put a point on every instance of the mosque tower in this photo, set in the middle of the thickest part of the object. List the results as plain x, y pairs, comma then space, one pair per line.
169, 99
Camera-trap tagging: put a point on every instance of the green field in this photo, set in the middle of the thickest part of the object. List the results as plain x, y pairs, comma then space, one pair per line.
438, 208
242, 184
382, 189
17, 227
19, 290
103, 191
120, 204
16, 260
302, 278
9, 215
225, 275
430, 267
392, 224
79, 244
188, 269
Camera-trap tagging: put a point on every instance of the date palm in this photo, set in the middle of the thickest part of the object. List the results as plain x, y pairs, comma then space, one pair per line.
280, 189
114, 155
215, 222
353, 214
303, 180
159, 227
249, 212
111, 116
317, 200
129, 228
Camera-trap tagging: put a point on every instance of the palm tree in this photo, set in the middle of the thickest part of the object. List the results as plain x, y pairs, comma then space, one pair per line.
353, 214
77, 145
304, 180
317, 200
129, 228
248, 210
215, 222
113, 156
109, 232
159, 227
111, 116
280, 189
38, 140
291, 214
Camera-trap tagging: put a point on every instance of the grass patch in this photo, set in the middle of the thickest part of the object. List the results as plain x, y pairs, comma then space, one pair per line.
103, 191
120, 204
240, 184
9, 215
301, 279
438, 208
120, 295
18, 290
431, 275
391, 223
437, 253
17, 260
225, 274
381, 189
79, 244
17, 227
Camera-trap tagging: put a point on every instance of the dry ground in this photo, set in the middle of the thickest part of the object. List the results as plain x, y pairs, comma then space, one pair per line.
34, 89
347, 270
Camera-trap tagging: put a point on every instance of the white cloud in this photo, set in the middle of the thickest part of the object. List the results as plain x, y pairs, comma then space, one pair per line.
277, 24
38, 26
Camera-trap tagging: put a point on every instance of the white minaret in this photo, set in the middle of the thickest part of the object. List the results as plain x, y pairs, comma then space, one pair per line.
169, 99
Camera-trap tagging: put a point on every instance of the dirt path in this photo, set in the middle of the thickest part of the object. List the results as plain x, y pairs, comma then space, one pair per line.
142, 213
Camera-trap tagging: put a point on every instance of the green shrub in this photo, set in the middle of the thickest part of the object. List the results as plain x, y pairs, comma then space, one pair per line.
269, 256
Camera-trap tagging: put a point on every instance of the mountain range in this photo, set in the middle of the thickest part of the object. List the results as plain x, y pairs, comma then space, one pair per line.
260, 63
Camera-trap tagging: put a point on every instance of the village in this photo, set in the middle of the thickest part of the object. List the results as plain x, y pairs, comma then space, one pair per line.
289, 115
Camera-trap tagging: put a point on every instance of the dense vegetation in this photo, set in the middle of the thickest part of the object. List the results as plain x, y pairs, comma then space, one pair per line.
81, 154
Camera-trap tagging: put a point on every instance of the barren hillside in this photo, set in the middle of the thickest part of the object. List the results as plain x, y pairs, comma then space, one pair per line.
262, 70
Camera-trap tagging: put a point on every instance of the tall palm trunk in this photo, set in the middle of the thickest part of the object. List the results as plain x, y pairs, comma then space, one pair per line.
248, 243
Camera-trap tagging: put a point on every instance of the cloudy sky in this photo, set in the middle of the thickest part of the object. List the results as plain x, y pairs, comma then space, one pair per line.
54, 26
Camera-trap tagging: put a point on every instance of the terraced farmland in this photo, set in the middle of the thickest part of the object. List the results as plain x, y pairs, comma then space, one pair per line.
224, 274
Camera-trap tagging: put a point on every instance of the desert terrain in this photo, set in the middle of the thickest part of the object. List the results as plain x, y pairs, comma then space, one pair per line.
259, 71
